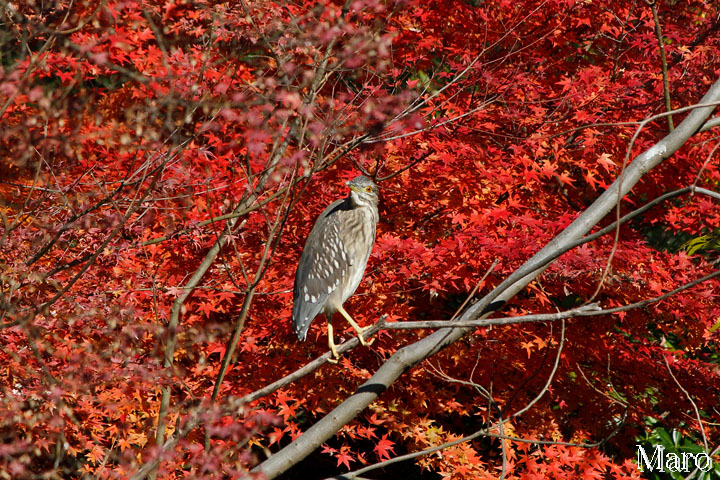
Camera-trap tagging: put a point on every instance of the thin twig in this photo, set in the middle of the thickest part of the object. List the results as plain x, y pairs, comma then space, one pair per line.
663, 59
589, 310
692, 402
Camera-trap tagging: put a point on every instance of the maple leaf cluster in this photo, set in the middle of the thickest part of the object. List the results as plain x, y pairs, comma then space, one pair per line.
163, 163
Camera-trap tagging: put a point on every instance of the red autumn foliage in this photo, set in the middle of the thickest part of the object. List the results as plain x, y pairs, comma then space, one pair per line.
163, 163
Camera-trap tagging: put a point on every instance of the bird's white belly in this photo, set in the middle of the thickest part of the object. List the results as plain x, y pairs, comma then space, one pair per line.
354, 277
354, 280
357, 270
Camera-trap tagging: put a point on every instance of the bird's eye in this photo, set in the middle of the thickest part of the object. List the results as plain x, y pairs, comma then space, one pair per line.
368, 189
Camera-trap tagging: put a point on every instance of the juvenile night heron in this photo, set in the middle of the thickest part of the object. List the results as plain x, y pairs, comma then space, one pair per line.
334, 259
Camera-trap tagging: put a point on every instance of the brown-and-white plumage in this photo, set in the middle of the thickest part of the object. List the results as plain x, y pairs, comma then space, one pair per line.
334, 258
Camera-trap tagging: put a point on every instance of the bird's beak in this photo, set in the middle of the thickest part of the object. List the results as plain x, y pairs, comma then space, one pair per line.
353, 187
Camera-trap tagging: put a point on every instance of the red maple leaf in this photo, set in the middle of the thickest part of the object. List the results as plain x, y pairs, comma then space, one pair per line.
384, 448
344, 457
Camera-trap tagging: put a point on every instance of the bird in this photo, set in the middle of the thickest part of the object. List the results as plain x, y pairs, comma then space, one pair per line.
334, 258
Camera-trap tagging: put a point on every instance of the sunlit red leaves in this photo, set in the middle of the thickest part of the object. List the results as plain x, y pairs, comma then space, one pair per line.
384, 448
559, 462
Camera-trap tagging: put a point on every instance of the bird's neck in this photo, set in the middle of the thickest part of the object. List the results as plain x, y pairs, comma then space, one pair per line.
355, 201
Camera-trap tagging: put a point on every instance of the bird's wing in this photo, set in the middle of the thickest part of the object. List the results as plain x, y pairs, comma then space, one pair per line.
322, 267
329, 261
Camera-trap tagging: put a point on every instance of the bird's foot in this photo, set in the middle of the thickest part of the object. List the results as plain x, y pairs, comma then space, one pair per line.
358, 329
334, 354
362, 338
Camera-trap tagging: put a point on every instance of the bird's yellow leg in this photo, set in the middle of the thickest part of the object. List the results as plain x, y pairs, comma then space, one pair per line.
360, 330
331, 344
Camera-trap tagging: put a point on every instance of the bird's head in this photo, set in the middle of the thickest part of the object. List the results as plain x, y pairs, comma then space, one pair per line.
363, 191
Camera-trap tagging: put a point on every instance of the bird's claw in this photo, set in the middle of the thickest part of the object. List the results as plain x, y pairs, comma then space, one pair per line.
362, 339
334, 357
